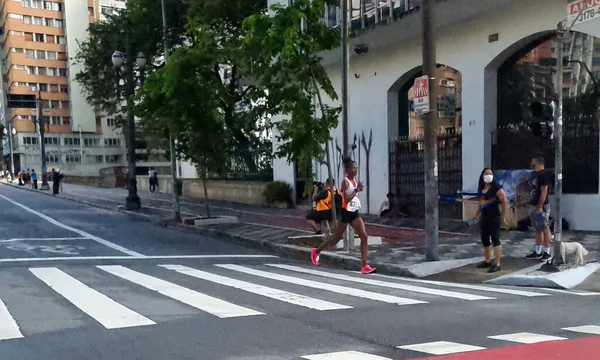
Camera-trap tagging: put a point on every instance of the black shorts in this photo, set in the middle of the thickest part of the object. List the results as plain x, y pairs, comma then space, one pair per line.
319, 216
348, 216
490, 231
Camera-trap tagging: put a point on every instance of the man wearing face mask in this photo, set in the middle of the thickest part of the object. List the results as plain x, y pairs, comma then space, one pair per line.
490, 218
539, 210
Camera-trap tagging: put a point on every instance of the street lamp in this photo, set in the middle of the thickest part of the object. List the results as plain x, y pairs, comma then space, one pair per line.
13, 132
119, 59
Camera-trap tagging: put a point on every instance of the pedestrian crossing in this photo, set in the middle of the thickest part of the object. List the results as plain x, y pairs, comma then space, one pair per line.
118, 296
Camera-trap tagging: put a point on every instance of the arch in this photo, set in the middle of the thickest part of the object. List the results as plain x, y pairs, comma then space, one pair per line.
523, 45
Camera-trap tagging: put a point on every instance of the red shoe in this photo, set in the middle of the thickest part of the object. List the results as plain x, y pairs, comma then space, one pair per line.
367, 269
314, 257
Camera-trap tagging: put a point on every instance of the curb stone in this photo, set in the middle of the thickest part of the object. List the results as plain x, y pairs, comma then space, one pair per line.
567, 279
326, 258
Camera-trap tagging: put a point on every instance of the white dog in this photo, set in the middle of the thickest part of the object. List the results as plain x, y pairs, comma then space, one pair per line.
574, 250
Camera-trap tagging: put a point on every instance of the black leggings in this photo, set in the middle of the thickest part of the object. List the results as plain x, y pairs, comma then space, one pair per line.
490, 230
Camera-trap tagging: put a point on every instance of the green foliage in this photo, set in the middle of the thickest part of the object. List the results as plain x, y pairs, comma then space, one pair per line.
277, 192
294, 36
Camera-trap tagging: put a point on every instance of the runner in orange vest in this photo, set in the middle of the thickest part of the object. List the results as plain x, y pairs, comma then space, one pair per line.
349, 215
324, 200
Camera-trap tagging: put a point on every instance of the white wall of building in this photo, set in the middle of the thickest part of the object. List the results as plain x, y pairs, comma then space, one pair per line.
465, 47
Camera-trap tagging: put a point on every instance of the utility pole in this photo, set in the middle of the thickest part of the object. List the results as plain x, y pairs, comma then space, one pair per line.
174, 180
563, 32
42, 127
430, 120
349, 234
132, 202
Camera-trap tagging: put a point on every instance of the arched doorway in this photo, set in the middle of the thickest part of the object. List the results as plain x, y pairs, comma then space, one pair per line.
526, 89
406, 144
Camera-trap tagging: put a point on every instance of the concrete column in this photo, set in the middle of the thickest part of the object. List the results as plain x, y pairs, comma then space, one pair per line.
478, 122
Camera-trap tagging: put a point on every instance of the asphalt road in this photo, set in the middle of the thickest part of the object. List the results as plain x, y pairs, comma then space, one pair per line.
78, 282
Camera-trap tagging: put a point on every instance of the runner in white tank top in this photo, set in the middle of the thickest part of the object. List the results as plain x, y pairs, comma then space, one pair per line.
349, 215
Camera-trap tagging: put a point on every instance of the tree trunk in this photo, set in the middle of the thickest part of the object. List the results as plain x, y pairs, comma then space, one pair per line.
205, 188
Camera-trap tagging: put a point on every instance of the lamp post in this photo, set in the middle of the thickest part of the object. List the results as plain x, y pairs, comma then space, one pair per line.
132, 201
42, 129
12, 131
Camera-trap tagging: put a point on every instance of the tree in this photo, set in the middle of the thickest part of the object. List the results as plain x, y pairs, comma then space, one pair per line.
283, 51
142, 20
179, 99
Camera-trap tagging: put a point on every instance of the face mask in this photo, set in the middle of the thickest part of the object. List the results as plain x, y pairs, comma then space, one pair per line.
488, 178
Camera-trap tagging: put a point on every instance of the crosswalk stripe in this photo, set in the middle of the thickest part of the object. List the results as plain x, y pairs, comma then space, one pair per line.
573, 292
344, 355
526, 338
100, 307
323, 286
276, 294
467, 286
585, 329
441, 348
445, 293
209, 304
8, 326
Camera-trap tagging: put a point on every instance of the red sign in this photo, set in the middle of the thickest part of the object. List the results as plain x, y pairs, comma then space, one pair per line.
421, 95
575, 8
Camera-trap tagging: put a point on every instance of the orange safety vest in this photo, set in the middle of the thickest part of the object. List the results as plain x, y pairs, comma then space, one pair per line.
325, 204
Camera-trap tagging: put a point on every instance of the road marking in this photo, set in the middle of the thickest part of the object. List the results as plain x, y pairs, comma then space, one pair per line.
100, 307
209, 304
323, 286
441, 348
276, 294
8, 326
118, 202
344, 355
586, 329
42, 239
63, 249
467, 286
418, 289
80, 232
526, 338
573, 292
149, 257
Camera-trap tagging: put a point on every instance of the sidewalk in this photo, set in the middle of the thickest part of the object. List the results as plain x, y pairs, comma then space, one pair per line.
401, 251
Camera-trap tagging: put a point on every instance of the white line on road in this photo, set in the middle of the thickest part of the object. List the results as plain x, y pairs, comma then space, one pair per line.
43, 239
526, 338
8, 326
585, 329
149, 257
209, 304
467, 286
100, 307
323, 286
441, 348
276, 294
344, 355
80, 232
418, 289
572, 292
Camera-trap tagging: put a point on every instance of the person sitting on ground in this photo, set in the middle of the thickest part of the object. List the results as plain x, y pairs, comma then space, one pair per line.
389, 208
323, 198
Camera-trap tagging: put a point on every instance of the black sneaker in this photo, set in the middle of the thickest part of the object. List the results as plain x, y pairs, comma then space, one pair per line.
534, 255
545, 256
494, 268
484, 265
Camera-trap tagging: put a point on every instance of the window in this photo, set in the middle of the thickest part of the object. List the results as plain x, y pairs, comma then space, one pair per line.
27, 20
49, 22
50, 39
106, 10
28, 140
58, 23
73, 158
26, 3
64, 89
30, 54
38, 20
62, 56
51, 55
91, 143
42, 71
91, 11
62, 72
65, 104
56, 121
40, 54
72, 141
51, 141
52, 158
112, 142
36, 4
66, 121
111, 158
111, 122
20, 67
62, 40
40, 38
15, 16
17, 50
50, 71
32, 70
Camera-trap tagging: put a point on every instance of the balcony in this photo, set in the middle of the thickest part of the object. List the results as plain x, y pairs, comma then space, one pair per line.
379, 24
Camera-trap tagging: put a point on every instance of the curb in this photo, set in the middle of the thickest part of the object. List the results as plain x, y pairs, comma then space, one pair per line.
566, 279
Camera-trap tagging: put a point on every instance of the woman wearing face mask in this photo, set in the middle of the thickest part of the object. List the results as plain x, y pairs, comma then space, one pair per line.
491, 197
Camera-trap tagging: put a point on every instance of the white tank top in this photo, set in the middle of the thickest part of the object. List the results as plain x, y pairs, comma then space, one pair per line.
354, 204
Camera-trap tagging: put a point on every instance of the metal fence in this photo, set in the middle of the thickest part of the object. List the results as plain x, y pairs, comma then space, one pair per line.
406, 172
515, 145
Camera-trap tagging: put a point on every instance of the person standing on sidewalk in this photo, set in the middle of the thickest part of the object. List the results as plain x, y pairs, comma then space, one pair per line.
490, 218
349, 215
539, 210
34, 184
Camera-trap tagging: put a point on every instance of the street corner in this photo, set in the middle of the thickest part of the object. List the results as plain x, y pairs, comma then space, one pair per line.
23, 249
568, 278
470, 273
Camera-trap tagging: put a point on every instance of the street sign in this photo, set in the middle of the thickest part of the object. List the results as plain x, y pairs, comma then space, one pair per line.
421, 95
22, 101
589, 9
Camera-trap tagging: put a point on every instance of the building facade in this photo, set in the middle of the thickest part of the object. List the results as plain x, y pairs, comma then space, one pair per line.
475, 40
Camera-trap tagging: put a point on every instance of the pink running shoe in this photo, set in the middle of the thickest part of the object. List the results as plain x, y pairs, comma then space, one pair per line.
314, 256
367, 269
